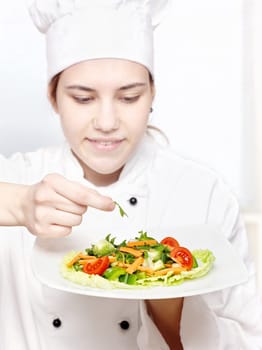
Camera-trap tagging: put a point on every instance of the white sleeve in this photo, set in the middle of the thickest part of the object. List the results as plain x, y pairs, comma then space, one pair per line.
231, 318
12, 169
30, 167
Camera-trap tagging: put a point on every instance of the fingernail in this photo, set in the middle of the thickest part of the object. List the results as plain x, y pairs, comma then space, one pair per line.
112, 205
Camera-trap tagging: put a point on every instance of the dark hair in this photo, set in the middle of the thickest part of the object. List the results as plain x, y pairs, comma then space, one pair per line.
53, 87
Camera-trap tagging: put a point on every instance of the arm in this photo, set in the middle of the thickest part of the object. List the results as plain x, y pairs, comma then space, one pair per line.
53, 206
166, 315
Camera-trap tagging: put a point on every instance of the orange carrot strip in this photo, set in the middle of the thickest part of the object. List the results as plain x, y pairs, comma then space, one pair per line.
142, 243
136, 253
168, 265
84, 261
87, 257
90, 257
175, 270
112, 259
133, 267
163, 272
145, 269
74, 260
121, 264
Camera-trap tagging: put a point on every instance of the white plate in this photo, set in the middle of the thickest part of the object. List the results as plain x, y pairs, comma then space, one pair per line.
228, 269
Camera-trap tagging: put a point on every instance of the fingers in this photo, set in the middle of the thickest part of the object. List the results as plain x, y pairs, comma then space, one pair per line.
55, 205
56, 231
62, 218
50, 222
69, 207
79, 194
47, 197
65, 205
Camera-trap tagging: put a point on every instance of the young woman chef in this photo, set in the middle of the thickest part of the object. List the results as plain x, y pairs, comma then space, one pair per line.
100, 72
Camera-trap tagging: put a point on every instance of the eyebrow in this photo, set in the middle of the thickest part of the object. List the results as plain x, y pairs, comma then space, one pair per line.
131, 86
89, 89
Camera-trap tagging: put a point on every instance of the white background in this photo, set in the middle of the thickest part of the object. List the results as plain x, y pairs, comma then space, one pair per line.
204, 93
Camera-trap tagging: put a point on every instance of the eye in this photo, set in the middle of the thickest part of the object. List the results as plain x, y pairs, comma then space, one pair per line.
130, 99
83, 99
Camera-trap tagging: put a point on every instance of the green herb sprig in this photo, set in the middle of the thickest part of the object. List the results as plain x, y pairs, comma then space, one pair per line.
121, 210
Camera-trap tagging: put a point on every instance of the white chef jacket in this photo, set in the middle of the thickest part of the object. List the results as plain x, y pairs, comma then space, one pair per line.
170, 192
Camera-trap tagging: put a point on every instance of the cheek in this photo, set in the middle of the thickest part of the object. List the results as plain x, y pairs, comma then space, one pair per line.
138, 126
139, 119
71, 120
71, 128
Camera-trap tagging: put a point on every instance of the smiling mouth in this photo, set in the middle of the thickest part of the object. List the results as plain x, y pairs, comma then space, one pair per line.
105, 144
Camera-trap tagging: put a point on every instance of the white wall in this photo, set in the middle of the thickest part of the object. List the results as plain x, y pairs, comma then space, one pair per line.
26, 121
256, 81
254, 59
200, 79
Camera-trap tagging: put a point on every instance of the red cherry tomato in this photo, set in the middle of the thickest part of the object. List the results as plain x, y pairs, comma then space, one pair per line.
97, 266
170, 242
183, 256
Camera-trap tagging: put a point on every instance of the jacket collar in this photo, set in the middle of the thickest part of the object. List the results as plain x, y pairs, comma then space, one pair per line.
133, 178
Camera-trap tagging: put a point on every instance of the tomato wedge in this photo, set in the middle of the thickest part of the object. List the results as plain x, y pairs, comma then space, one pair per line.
96, 266
183, 256
170, 242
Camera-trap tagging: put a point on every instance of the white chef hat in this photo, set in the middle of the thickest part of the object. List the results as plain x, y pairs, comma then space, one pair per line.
78, 30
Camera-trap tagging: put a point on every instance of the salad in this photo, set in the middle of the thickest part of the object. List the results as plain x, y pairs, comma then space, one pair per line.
141, 262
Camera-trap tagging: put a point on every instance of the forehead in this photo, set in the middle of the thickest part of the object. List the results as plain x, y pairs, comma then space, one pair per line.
105, 72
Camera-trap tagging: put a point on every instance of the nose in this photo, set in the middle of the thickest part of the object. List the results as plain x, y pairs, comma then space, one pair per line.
106, 119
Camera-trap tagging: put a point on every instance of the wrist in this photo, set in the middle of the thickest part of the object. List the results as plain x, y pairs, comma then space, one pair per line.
17, 205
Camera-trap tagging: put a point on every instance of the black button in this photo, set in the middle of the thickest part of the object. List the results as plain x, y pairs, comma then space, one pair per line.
124, 325
57, 323
133, 200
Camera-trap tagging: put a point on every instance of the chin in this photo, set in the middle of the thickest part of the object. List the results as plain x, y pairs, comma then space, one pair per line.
105, 166
108, 170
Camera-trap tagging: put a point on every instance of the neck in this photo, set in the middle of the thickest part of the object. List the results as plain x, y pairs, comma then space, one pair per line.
99, 179
102, 179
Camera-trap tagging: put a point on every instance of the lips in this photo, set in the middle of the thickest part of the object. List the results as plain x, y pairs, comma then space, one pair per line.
105, 144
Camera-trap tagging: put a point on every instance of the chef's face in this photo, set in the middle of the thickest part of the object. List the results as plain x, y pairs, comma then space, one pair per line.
104, 106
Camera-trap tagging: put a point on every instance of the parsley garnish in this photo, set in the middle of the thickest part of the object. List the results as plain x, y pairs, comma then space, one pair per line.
121, 210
